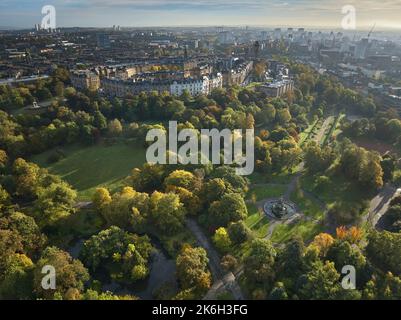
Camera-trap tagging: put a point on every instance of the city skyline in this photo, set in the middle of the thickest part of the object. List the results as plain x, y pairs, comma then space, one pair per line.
136, 13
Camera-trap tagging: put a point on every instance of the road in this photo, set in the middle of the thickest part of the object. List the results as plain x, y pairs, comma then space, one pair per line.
379, 204
222, 280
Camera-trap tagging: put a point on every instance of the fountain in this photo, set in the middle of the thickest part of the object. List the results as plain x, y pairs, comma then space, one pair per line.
279, 209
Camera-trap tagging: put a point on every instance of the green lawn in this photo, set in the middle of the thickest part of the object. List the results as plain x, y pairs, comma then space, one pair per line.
265, 192
87, 168
257, 221
305, 135
332, 129
339, 188
306, 229
308, 206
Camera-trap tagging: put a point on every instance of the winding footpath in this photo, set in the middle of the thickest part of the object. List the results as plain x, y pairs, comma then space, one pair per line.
221, 279
380, 204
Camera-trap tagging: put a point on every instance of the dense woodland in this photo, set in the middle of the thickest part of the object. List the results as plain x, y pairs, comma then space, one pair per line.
39, 212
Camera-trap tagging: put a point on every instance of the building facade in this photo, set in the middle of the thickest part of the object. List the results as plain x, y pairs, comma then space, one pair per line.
278, 88
85, 80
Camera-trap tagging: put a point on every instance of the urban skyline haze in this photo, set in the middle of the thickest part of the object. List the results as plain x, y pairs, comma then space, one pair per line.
135, 13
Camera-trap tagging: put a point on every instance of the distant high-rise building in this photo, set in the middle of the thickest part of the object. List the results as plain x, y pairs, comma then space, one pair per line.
225, 37
345, 44
277, 33
362, 48
103, 41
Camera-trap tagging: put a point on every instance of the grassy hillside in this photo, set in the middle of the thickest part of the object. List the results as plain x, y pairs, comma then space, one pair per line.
87, 168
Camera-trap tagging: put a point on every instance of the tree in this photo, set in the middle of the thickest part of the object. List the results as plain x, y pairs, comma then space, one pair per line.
166, 213
318, 159
3, 159
352, 235
259, 263
362, 166
124, 255
10, 243
284, 116
239, 232
108, 296
383, 287
70, 273
231, 208
384, 251
100, 122
149, 178
55, 202
321, 283
323, 242
229, 263
175, 107
267, 114
343, 212
32, 239
127, 209
115, 128
394, 129
190, 200
26, 176
213, 190
192, 270
4, 197
371, 172
388, 165
236, 183
16, 281
222, 240
290, 263
101, 198
278, 292
343, 254
184, 179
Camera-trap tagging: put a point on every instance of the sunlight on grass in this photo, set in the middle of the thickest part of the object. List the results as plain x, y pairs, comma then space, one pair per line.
87, 168
306, 229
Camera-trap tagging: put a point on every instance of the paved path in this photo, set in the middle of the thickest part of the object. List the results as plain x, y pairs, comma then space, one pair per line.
42, 106
222, 280
83, 205
380, 204
326, 124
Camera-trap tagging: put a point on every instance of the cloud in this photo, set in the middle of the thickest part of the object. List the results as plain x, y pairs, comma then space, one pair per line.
197, 12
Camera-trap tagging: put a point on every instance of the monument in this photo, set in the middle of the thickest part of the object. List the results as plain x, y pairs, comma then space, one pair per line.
279, 209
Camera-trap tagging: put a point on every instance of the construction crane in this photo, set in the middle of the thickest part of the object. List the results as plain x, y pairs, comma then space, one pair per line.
371, 30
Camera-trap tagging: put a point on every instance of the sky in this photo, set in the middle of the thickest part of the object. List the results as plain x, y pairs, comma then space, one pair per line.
137, 13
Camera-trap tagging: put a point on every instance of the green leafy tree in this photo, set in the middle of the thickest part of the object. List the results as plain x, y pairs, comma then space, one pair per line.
123, 254
222, 240
16, 283
166, 212
321, 282
192, 270
70, 273
239, 232
231, 208
259, 264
